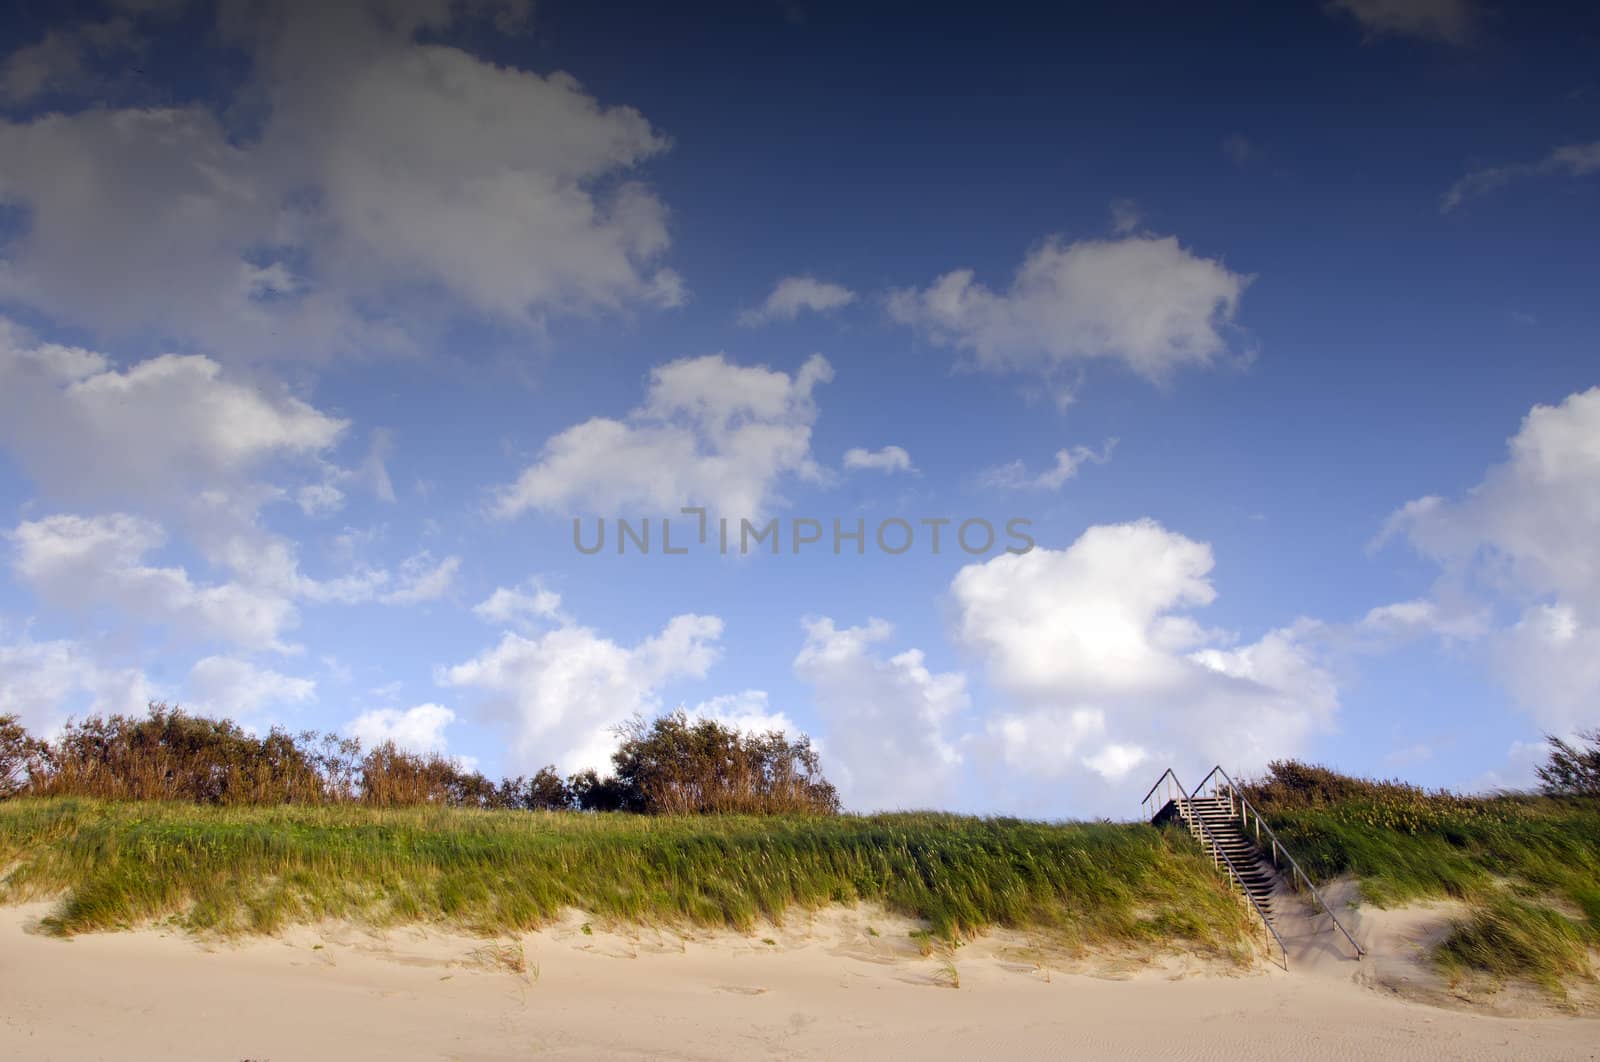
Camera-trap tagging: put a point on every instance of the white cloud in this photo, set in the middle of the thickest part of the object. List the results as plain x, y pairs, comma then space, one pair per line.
709, 433
520, 606
1450, 21
88, 564
1420, 616
45, 682
85, 563
889, 459
886, 720
795, 294
238, 689
375, 470
388, 179
1141, 300
1068, 462
1113, 762
748, 711
1108, 671
1523, 540
1527, 526
202, 447
273, 564
1570, 160
171, 426
419, 729
561, 693
319, 499
422, 580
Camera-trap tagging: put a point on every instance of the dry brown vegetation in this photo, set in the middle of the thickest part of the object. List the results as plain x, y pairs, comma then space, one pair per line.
673, 765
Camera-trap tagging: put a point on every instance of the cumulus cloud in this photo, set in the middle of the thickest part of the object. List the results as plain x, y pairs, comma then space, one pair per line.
178, 442
887, 720
419, 729
180, 437
794, 295
1142, 300
92, 564
709, 433
168, 426
1107, 670
1569, 160
520, 606
238, 689
1450, 21
749, 711
1015, 474
88, 563
560, 693
1523, 540
43, 683
375, 165
889, 459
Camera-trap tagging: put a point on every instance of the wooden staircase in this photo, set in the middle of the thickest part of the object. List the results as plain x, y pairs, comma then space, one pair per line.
1222, 836
1231, 831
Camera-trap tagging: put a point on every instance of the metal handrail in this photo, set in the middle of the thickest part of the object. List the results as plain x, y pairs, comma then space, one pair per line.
1246, 809
1195, 819
1168, 773
1192, 820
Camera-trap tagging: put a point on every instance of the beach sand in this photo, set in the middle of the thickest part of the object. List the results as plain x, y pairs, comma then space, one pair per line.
841, 983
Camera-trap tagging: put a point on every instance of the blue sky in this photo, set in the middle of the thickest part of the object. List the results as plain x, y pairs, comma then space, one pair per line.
317, 330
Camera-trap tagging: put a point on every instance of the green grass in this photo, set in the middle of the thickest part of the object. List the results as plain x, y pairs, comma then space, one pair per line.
233, 870
1527, 867
1509, 938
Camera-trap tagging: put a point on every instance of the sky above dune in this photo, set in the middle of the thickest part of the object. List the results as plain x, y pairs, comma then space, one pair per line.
1017, 407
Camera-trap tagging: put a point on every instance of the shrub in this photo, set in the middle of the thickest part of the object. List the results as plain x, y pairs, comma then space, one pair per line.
590, 792
1292, 784
392, 777
21, 757
169, 755
547, 792
672, 766
1572, 771
676, 765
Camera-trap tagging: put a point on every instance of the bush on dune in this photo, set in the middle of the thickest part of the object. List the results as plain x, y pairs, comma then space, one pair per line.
678, 765
673, 765
1526, 865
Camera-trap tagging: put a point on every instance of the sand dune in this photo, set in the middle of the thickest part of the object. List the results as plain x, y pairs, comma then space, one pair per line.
843, 983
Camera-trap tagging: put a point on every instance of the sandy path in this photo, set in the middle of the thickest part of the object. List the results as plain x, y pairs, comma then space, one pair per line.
829, 989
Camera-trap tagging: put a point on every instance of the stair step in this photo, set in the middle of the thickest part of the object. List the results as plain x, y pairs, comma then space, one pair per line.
1214, 822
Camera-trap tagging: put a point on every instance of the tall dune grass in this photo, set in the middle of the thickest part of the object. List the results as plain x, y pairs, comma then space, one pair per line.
1528, 867
255, 869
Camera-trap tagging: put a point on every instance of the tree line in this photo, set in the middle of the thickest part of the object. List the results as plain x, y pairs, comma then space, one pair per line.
671, 765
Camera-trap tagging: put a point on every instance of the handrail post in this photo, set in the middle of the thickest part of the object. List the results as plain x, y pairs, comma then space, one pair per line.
1219, 858
1298, 873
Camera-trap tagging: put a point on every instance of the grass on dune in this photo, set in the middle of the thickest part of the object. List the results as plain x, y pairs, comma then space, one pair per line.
256, 869
1510, 938
1527, 867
